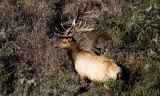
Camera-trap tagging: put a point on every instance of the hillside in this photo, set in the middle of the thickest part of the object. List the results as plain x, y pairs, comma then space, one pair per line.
127, 31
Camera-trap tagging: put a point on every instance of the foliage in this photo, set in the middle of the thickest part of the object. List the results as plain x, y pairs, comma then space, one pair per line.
125, 31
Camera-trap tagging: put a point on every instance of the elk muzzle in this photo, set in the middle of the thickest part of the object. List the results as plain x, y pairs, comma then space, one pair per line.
54, 44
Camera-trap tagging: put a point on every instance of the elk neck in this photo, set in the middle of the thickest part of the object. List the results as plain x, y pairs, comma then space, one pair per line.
73, 50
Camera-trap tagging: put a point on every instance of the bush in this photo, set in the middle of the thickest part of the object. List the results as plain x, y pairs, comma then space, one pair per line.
125, 31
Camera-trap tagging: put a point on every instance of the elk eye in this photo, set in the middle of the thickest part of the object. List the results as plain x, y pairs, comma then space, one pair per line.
64, 41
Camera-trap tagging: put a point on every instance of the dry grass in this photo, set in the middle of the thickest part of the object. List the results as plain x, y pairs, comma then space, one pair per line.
30, 66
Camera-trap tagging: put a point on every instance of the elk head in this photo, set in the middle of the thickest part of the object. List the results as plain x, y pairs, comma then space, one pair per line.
62, 43
67, 35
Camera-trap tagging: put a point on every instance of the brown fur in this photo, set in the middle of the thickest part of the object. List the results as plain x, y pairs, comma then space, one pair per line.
88, 64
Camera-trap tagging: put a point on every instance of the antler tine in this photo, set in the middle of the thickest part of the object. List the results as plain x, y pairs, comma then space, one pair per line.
83, 8
85, 29
80, 24
63, 26
84, 24
74, 23
88, 26
82, 12
70, 19
67, 32
58, 30
59, 35
80, 29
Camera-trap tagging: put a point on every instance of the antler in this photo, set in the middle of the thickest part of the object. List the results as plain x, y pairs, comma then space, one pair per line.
67, 32
80, 29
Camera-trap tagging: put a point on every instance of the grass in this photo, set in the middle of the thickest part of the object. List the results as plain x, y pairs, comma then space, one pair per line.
53, 84
29, 65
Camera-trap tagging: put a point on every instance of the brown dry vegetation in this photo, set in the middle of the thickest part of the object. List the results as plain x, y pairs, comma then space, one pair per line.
126, 31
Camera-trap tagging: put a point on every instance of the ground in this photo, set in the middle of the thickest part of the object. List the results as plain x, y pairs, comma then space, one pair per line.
126, 31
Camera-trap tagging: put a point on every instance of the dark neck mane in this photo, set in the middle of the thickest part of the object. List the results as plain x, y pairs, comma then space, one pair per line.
73, 50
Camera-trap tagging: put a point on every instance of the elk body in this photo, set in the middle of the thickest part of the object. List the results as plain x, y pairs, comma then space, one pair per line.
87, 64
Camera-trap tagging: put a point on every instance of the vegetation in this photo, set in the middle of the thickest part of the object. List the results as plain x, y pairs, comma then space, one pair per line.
127, 31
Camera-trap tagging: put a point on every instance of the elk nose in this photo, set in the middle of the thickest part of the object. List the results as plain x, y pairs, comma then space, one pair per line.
54, 45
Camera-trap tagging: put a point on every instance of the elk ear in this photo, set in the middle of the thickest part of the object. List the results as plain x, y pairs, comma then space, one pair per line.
69, 39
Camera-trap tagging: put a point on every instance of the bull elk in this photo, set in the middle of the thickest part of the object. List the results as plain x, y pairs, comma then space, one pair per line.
87, 64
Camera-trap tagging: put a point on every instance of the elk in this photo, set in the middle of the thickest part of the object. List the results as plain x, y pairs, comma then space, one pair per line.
87, 63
